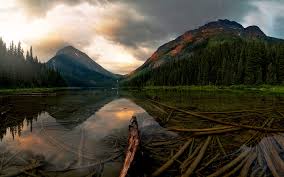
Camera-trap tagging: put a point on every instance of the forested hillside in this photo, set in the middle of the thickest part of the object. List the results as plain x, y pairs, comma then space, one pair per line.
19, 71
220, 59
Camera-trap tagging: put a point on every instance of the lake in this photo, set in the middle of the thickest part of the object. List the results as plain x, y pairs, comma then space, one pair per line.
84, 132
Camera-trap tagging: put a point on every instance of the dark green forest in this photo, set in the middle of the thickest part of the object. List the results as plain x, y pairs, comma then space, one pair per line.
19, 70
219, 62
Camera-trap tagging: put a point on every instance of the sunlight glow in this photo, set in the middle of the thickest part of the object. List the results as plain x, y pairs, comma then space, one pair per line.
63, 25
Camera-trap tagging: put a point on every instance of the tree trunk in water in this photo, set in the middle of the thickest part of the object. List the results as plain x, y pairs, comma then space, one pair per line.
133, 147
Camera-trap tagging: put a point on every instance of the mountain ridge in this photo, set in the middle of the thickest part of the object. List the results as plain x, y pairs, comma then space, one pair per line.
206, 31
221, 33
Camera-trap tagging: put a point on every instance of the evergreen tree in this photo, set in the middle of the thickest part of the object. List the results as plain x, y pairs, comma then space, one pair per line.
19, 71
226, 62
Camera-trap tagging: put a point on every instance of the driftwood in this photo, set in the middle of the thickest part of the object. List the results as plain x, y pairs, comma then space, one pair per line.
219, 121
230, 165
168, 117
248, 163
172, 160
220, 145
239, 111
197, 160
133, 144
208, 163
187, 161
236, 169
198, 130
218, 131
20, 171
273, 160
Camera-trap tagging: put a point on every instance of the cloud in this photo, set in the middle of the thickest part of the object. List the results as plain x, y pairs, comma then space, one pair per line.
48, 45
41, 7
268, 15
112, 56
176, 17
81, 26
120, 34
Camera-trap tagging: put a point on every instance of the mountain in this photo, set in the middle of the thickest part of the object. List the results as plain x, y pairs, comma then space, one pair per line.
79, 70
222, 52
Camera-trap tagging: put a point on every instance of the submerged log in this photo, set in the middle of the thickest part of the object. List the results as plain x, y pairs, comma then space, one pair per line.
197, 160
199, 130
172, 160
133, 145
195, 114
225, 168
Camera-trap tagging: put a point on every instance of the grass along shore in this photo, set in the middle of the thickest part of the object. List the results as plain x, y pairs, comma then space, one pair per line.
258, 88
50, 90
31, 90
279, 89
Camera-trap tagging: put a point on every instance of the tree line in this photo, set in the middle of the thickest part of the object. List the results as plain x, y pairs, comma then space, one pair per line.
21, 70
224, 62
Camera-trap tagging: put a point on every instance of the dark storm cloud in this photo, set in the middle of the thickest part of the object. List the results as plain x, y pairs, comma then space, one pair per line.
182, 15
167, 18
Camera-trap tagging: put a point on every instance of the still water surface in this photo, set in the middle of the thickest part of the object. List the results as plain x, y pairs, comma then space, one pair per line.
72, 130
69, 132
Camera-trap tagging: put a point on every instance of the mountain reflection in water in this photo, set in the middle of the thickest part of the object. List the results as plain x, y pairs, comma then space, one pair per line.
80, 133
73, 136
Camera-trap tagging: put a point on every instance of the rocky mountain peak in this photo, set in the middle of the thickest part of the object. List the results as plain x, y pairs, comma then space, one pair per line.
70, 51
254, 31
223, 24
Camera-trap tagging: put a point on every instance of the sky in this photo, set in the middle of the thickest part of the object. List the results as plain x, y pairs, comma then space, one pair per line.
121, 34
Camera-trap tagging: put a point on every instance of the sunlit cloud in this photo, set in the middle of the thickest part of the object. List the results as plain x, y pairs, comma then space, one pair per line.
112, 56
121, 34
78, 25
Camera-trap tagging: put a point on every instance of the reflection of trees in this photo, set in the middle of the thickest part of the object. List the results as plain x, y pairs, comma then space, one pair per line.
76, 108
73, 106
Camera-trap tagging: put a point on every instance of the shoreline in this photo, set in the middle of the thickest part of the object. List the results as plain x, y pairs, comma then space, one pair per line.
273, 89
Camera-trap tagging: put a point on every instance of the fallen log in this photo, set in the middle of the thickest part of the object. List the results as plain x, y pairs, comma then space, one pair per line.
230, 165
168, 117
172, 160
219, 121
20, 171
236, 169
187, 161
198, 130
238, 111
221, 146
248, 163
133, 144
218, 131
197, 160
208, 163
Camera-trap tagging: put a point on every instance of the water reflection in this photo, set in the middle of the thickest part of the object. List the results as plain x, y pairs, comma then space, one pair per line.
73, 141
73, 106
77, 130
